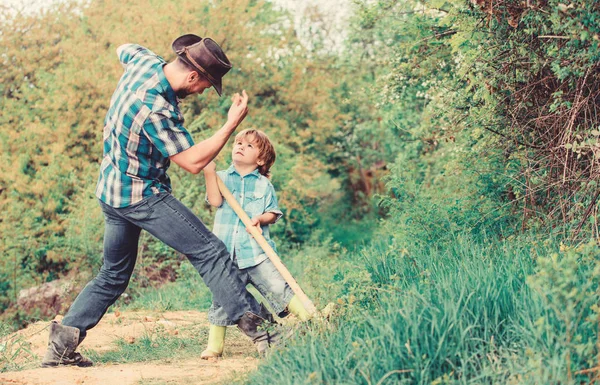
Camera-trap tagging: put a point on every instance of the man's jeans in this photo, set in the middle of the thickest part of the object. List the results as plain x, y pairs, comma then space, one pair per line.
174, 224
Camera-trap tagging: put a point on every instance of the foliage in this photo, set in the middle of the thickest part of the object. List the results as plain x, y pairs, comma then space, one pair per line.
473, 125
459, 314
567, 282
59, 70
482, 151
534, 84
494, 102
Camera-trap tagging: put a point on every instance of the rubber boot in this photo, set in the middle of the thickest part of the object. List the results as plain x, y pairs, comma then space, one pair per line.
262, 330
216, 340
296, 308
62, 343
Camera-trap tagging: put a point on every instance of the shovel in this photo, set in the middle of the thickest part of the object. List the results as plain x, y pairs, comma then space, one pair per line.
308, 305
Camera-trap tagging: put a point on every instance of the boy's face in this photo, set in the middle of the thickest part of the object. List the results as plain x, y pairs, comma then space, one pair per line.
246, 153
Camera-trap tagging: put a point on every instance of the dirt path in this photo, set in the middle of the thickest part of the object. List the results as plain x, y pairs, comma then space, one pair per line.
129, 326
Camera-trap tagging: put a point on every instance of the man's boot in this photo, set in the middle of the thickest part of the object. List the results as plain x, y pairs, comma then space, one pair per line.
263, 332
62, 343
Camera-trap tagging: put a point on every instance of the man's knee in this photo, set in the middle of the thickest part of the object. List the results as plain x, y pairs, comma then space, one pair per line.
217, 251
113, 280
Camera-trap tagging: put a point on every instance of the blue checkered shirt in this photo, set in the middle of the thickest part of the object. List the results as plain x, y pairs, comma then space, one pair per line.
256, 195
142, 129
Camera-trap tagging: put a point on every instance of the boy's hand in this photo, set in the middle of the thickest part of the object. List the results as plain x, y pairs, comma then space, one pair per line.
211, 167
255, 223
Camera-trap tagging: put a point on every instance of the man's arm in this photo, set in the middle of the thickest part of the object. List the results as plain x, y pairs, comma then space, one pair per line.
126, 52
199, 155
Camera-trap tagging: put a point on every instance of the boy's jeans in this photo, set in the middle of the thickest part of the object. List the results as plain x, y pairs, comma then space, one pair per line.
270, 284
174, 224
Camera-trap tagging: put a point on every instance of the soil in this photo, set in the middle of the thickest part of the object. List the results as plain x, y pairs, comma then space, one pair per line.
31, 343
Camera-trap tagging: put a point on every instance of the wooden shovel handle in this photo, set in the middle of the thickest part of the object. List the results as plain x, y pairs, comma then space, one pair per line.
308, 305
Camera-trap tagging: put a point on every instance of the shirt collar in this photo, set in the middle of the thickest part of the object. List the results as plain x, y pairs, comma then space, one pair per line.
232, 170
166, 86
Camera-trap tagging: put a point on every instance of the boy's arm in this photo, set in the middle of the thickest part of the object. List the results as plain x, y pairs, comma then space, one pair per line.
262, 220
272, 207
271, 214
265, 219
213, 195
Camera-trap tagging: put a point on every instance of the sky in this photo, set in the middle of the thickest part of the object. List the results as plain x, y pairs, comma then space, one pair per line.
28, 5
333, 18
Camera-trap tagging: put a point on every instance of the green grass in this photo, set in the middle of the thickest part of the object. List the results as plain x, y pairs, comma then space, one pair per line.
157, 345
15, 352
468, 311
460, 315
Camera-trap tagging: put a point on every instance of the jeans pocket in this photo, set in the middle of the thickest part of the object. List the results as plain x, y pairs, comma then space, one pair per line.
139, 211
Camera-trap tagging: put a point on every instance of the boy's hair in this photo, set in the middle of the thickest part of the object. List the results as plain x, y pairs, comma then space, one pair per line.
264, 146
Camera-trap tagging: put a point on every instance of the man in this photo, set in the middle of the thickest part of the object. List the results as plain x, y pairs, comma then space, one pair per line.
143, 133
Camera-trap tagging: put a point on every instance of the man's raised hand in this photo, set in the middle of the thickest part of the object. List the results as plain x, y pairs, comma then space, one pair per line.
239, 108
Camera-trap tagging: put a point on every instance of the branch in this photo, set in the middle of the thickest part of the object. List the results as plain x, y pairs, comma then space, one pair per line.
587, 213
513, 139
554, 37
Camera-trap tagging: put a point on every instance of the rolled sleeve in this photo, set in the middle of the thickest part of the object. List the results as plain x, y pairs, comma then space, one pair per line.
167, 133
271, 205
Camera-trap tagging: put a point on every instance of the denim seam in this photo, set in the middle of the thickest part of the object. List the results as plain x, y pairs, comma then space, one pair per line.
277, 305
192, 226
203, 236
219, 322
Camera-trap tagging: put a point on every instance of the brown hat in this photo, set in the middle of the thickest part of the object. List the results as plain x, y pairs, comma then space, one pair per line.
205, 56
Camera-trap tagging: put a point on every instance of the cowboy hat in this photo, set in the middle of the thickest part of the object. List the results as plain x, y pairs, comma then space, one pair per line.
205, 56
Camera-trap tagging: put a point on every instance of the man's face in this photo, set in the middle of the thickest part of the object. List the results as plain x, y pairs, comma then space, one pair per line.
194, 85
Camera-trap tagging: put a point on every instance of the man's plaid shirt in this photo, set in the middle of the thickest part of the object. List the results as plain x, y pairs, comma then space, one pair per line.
256, 195
142, 129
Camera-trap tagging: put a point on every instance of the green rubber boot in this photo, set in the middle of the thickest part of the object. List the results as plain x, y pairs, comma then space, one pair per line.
216, 340
296, 308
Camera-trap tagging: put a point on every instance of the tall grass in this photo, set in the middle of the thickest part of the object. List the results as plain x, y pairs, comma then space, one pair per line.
465, 314
15, 350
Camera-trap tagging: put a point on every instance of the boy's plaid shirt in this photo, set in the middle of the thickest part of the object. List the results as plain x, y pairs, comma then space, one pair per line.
256, 195
142, 129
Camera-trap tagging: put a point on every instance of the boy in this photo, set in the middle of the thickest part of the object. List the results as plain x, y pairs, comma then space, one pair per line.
247, 179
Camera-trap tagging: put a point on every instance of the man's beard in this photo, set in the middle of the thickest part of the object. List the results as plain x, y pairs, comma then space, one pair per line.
181, 94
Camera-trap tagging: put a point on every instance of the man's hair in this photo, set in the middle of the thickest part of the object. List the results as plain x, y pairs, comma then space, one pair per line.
265, 148
185, 65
